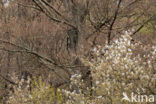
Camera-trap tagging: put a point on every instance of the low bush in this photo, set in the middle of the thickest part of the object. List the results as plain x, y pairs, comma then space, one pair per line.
34, 92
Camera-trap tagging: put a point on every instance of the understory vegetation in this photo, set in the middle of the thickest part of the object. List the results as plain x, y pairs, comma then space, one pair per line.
114, 70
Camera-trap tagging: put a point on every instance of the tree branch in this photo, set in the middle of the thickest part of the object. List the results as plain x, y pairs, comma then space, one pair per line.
114, 19
11, 82
43, 8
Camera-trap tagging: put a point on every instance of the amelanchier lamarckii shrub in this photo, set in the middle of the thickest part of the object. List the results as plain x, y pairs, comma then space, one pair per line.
116, 74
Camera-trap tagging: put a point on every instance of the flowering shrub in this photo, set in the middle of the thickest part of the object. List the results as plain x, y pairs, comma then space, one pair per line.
114, 70
40, 93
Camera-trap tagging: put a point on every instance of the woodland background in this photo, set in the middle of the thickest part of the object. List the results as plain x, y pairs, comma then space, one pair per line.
48, 38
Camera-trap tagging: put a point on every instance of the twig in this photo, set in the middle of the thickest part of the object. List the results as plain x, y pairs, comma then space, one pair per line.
11, 82
114, 19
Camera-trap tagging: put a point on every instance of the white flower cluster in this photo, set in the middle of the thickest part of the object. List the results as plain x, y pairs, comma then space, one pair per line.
20, 90
115, 69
